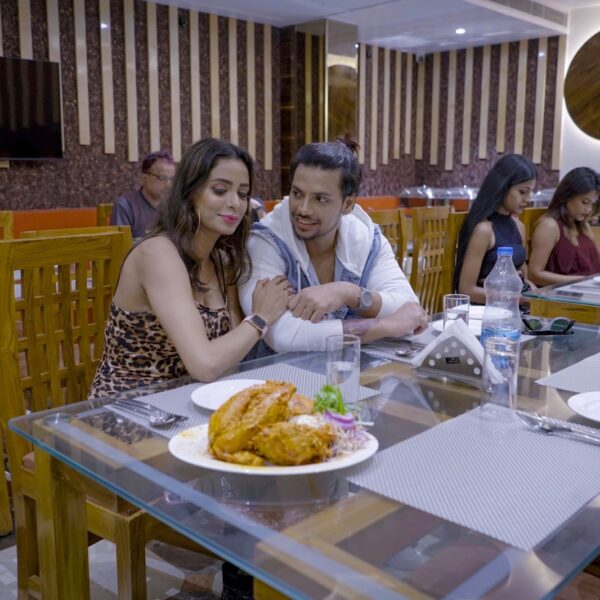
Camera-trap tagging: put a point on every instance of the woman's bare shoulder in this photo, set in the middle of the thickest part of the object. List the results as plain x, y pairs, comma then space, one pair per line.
547, 225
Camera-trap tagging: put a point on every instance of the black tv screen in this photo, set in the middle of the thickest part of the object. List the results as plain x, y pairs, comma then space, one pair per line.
30, 125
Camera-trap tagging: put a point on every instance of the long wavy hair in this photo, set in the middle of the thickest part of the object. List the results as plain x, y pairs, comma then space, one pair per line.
576, 182
510, 170
178, 218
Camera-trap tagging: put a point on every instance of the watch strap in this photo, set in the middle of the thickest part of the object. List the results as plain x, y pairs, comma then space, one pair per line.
262, 327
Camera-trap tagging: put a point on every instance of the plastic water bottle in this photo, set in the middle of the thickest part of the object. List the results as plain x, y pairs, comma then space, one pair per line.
501, 316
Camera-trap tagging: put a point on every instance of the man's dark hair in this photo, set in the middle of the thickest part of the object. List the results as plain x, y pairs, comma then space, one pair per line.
151, 158
340, 154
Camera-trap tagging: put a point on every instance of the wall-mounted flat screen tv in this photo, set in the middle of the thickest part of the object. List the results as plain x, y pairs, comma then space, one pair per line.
30, 124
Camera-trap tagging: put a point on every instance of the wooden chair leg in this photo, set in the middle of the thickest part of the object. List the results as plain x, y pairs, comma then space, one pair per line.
6, 521
26, 538
130, 542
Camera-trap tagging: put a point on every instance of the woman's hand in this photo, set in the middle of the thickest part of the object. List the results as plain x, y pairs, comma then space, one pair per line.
270, 298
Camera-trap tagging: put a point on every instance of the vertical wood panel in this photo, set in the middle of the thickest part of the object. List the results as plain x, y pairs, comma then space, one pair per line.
540, 100
397, 103
420, 117
195, 76
53, 26
153, 97
450, 111
174, 76
435, 109
362, 99
521, 84
130, 81
322, 88
307, 88
251, 87
467, 108
502, 95
268, 79
385, 146
374, 107
25, 43
1, 42
234, 125
408, 105
108, 98
215, 115
484, 107
83, 104
558, 101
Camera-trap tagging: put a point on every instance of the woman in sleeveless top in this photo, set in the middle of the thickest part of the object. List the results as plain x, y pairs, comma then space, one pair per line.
562, 245
493, 222
175, 308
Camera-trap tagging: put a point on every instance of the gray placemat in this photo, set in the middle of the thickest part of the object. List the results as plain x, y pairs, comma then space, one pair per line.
382, 350
497, 477
179, 400
583, 376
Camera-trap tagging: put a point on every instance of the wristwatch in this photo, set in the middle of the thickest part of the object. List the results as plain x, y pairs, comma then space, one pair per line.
365, 300
258, 323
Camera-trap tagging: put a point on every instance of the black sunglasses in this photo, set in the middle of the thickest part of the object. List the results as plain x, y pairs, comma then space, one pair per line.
558, 326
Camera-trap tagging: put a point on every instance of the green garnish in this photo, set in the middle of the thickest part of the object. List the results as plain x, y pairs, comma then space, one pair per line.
330, 398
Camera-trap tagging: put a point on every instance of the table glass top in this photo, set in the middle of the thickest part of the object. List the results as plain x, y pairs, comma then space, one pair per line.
314, 534
584, 291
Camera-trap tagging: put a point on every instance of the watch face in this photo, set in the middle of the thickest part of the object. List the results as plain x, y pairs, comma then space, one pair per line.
259, 321
366, 299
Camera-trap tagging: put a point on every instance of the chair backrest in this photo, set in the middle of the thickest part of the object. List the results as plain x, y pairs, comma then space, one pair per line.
391, 226
529, 217
6, 225
58, 293
103, 214
429, 240
455, 222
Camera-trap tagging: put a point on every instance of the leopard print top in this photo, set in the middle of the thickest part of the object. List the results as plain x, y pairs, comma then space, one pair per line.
137, 351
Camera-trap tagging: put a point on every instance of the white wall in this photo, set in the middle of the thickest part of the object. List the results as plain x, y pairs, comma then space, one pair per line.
578, 148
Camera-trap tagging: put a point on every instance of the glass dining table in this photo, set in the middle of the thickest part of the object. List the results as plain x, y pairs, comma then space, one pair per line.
319, 534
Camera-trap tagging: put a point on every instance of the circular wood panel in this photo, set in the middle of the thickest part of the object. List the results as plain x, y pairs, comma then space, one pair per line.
582, 87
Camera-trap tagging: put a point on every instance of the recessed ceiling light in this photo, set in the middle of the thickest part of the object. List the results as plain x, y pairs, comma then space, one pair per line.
460, 31
103, 26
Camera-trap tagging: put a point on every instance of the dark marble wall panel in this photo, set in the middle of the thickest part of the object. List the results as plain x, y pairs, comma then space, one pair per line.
224, 77
242, 85
86, 175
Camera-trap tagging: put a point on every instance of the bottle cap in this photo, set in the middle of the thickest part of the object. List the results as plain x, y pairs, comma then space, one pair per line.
505, 251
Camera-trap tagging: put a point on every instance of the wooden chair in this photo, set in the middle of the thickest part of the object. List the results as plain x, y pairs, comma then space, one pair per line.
392, 227
51, 340
6, 225
429, 239
530, 217
455, 222
103, 214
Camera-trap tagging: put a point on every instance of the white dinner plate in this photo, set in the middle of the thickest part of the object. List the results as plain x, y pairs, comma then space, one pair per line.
191, 446
212, 395
474, 325
586, 404
596, 279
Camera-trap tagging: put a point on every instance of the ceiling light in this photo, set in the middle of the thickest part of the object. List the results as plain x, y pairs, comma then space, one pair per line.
460, 31
103, 26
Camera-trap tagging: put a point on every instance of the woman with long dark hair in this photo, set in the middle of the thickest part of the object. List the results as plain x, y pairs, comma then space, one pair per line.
176, 308
493, 222
562, 246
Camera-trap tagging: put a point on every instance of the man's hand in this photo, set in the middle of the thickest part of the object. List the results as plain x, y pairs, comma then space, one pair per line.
410, 318
313, 303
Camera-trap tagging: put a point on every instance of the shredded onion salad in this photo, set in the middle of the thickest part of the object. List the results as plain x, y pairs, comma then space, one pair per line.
330, 409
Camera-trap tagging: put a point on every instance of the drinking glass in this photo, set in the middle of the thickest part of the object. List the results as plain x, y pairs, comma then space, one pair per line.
456, 306
343, 365
499, 377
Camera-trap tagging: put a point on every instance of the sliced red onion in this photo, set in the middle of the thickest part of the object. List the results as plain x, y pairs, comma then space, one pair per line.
344, 421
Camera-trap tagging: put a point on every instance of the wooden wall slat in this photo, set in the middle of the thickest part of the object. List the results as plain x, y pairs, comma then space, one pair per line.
322, 89
153, 93
215, 112
174, 82
420, 116
467, 109
435, 109
83, 104
385, 142
268, 84
540, 100
558, 101
130, 81
408, 104
521, 85
374, 107
234, 125
25, 40
308, 104
397, 103
502, 96
484, 106
450, 111
196, 103
251, 87
362, 100
108, 98
52, 23
1, 40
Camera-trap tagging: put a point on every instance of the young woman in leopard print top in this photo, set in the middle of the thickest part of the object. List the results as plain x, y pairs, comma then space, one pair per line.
175, 309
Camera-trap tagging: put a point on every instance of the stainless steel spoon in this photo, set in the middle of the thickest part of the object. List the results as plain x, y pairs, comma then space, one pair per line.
538, 423
156, 417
